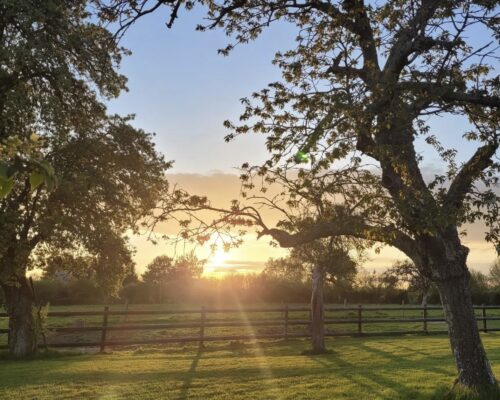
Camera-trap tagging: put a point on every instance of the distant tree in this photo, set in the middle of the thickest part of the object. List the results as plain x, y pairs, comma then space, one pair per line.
158, 270
407, 273
164, 268
287, 268
321, 260
495, 274
480, 287
164, 272
109, 274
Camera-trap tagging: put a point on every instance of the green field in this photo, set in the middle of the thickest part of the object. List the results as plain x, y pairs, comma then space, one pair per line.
398, 367
406, 367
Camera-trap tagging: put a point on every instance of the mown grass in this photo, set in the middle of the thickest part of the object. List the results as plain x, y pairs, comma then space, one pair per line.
407, 367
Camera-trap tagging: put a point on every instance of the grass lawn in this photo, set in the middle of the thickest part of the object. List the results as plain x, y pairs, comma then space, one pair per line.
407, 367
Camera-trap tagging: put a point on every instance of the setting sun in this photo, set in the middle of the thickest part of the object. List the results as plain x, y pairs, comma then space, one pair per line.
218, 258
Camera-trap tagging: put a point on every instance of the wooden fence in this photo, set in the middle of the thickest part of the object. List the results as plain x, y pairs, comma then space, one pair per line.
284, 324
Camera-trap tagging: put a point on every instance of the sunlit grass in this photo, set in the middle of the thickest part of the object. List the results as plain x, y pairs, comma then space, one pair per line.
409, 367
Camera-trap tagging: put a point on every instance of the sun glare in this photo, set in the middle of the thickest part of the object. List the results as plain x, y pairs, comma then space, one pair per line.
219, 258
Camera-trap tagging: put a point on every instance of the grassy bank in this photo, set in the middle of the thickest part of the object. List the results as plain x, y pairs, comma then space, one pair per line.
408, 367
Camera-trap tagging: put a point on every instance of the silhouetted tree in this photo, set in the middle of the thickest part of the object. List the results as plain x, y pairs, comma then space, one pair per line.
58, 62
406, 272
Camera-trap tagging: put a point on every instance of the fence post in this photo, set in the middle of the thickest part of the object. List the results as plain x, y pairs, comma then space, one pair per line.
425, 319
485, 325
360, 319
202, 325
286, 322
104, 328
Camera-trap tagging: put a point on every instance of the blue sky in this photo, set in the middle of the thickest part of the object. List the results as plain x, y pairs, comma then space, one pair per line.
182, 89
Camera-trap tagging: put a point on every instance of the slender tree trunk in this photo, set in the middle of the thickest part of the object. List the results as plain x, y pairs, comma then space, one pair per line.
425, 296
22, 324
317, 311
474, 369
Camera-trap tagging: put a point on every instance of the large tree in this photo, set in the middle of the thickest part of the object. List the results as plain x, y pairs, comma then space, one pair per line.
108, 180
58, 64
357, 94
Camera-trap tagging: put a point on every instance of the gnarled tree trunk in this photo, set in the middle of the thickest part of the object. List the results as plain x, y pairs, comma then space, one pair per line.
449, 269
474, 369
317, 311
22, 324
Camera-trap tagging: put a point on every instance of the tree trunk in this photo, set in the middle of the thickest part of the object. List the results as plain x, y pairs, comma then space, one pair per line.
474, 370
22, 324
317, 311
425, 296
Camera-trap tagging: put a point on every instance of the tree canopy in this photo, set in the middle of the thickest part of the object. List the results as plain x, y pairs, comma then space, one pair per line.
59, 63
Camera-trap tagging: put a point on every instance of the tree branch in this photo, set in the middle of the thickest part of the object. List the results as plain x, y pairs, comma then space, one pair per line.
352, 226
410, 39
471, 170
448, 93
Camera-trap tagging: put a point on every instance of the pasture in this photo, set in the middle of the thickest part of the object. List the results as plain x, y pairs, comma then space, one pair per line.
376, 368
381, 367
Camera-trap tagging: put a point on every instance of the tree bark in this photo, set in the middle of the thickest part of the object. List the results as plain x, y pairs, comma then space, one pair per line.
317, 311
474, 370
19, 303
425, 296
448, 262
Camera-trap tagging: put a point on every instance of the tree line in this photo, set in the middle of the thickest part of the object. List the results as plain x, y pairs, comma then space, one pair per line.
169, 281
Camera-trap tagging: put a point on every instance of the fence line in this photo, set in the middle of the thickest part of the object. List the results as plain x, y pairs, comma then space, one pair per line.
204, 322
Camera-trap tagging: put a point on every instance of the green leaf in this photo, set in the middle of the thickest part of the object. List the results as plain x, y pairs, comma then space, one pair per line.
36, 179
4, 174
6, 186
50, 181
48, 173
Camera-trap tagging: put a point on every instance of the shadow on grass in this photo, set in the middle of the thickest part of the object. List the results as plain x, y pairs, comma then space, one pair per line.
460, 393
186, 385
41, 355
372, 382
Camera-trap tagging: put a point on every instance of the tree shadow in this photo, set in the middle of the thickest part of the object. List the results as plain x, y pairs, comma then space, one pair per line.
370, 378
186, 385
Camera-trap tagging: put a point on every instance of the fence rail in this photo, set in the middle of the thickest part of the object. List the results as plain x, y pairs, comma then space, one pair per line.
359, 322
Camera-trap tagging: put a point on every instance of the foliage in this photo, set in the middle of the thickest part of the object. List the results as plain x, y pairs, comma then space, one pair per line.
55, 55
60, 62
495, 273
330, 254
406, 272
164, 269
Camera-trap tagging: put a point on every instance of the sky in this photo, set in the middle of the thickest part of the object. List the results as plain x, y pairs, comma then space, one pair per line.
181, 89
